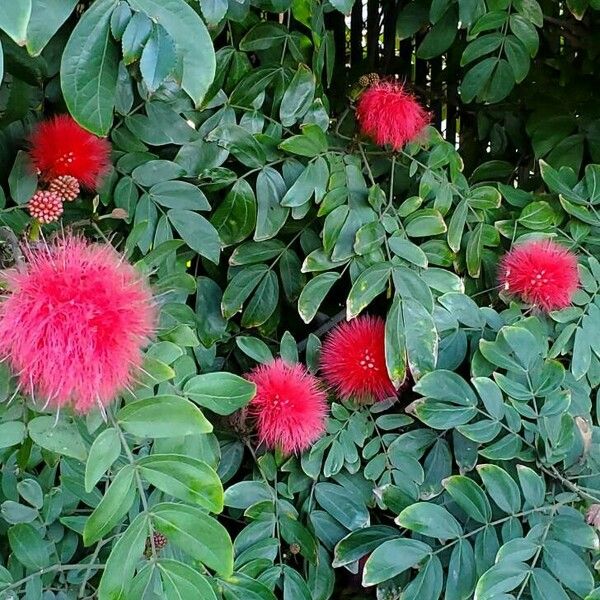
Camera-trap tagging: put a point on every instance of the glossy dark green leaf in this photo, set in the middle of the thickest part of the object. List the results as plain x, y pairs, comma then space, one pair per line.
163, 416
112, 508
501, 487
235, 217
191, 38
89, 69
105, 449
196, 533
430, 520
298, 96
185, 478
222, 393
392, 558
197, 233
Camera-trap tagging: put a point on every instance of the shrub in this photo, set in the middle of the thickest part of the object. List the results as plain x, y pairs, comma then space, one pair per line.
269, 186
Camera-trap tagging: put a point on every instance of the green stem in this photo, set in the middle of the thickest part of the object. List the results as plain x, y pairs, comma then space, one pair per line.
52, 569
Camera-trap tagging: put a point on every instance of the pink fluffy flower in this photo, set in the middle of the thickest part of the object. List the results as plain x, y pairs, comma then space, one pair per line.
390, 115
542, 273
289, 407
353, 360
74, 323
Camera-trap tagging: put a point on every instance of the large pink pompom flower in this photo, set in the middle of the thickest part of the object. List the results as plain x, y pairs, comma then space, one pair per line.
74, 323
353, 360
390, 115
542, 273
289, 407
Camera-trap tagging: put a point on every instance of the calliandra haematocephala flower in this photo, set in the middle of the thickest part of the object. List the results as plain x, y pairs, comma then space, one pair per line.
289, 408
542, 273
74, 323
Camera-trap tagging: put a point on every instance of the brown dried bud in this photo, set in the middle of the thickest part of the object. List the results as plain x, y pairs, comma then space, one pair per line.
294, 548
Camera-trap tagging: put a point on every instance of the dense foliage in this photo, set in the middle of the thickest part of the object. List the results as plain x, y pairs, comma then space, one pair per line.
241, 187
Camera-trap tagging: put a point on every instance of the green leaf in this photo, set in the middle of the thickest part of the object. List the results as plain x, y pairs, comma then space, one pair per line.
501, 487
368, 285
469, 496
222, 393
240, 287
440, 37
408, 251
392, 558
11, 433
197, 233
421, 338
462, 574
341, 505
163, 416
263, 302
431, 520
14, 18
311, 143
28, 546
447, 386
314, 293
235, 217
158, 58
182, 581
185, 478
123, 559
196, 533
271, 216
533, 486
254, 348
298, 96
47, 16
192, 42
425, 223
59, 436
103, 453
395, 344
568, 567
502, 577
22, 180
31, 491
136, 34
362, 542
544, 587
89, 68
112, 508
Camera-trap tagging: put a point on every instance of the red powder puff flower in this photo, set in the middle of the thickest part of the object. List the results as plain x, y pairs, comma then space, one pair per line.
542, 273
45, 206
390, 115
59, 146
74, 323
289, 408
353, 360
66, 187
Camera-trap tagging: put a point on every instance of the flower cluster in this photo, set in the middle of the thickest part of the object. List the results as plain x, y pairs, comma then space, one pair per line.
542, 273
74, 322
390, 115
66, 157
290, 407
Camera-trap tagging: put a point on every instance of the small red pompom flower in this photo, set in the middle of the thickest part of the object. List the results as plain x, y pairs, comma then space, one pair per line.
353, 360
45, 206
66, 187
289, 407
542, 273
390, 115
74, 323
59, 146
